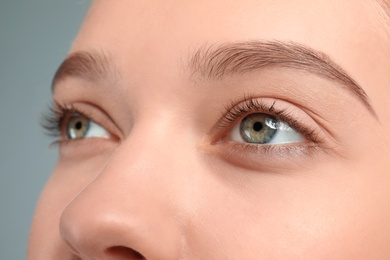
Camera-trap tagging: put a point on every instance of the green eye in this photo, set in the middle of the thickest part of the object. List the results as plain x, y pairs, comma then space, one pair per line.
77, 127
253, 129
80, 126
260, 128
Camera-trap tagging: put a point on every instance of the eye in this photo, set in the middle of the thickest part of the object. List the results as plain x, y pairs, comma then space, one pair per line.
261, 128
79, 126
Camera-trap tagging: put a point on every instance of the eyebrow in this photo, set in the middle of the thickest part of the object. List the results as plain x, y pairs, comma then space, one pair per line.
217, 62
214, 62
91, 66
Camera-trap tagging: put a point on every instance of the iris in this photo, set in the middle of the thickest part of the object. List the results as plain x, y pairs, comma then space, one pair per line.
255, 129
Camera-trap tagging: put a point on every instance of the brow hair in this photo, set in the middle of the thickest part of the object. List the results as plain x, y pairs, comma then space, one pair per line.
216, 62
219, 61
384, 6
88, 65
241, 57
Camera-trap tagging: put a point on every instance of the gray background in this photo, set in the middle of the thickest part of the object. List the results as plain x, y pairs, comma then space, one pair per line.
35, 36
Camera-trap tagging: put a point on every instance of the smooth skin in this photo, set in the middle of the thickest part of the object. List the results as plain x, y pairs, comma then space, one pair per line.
169, 184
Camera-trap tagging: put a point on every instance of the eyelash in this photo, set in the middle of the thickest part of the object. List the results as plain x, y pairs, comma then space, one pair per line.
54, 120
238, 110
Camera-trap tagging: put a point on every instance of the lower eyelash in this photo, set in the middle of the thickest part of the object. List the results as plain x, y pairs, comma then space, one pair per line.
280, 150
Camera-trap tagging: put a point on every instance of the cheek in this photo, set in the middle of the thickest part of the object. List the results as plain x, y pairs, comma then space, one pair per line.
330, 212
66, 182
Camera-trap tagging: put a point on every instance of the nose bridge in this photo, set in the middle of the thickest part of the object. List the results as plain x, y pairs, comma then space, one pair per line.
134, 203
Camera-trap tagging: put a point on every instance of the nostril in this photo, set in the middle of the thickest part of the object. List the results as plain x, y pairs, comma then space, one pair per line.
122, 251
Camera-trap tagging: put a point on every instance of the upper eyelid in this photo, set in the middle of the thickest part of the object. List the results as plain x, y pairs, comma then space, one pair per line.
228, 115
236, 111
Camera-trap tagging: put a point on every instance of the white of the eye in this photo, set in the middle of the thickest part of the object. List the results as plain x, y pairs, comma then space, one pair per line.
286, 136
235, 134
96, 130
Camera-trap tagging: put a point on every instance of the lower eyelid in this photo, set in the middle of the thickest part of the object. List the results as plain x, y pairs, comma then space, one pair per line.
267, 157
84, 148
290, 149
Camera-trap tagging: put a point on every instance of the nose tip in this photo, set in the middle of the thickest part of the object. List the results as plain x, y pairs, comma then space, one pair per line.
96, 226
137, 206
97, 237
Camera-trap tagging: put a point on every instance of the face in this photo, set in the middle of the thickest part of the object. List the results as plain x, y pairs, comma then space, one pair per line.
221, 130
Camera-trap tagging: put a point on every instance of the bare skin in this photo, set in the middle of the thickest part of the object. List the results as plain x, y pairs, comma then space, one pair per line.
168, 174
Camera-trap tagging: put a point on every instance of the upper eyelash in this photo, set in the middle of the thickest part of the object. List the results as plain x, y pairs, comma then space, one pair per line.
53, 120
250, 104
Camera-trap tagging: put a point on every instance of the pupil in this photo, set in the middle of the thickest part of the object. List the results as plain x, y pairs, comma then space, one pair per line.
257, 126
78, 125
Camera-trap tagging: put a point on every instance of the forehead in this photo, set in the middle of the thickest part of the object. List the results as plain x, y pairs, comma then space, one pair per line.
249, 18
145, 26
152, 36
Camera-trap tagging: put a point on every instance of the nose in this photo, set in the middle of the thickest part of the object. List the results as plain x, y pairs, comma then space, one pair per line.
130, 210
